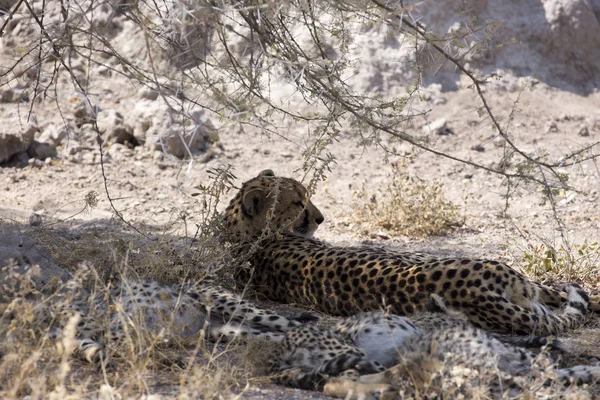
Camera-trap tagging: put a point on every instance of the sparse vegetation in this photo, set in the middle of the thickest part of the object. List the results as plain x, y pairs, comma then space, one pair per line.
221, 59
559, 262
407, 205
39, 360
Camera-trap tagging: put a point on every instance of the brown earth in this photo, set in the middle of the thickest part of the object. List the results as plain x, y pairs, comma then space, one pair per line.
153, 191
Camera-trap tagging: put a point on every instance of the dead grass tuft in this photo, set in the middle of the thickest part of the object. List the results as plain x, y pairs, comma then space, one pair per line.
407, 206
39, 358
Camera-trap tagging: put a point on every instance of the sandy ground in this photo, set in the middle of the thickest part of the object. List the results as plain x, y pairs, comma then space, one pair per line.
154, 192
157, 192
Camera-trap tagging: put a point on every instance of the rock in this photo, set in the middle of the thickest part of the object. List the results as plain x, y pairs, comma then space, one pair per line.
35, 219
35, 163
26, 252
551, 127
55, 135
7, 96
89, 157
41, 151
584, 131
15, 136
188, 139
181, 142
158, 155
445, 131
114, 130
478, 147
117, 152
83, 115
75, 149
19, 160
439, 126
147, 93
554, 39
160, 129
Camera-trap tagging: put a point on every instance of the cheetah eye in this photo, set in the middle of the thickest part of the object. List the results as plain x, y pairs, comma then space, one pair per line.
299, 204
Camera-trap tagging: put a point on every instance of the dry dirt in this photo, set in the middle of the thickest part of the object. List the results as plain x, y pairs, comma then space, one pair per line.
156, 193
153, 191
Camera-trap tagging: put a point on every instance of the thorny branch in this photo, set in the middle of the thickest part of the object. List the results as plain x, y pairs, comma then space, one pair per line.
245, 43
56, 52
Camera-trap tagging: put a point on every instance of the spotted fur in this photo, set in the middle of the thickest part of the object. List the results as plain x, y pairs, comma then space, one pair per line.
273, 220
173, 310
417, 353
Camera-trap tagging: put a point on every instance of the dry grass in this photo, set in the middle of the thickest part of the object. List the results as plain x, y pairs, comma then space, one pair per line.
407, 206
38, 344
40, 361
571, 262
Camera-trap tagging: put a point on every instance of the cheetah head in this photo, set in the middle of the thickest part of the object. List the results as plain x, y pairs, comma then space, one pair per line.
271, 204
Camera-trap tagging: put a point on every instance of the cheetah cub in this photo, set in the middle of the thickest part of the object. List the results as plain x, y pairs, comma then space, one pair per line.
377, 355
147, 307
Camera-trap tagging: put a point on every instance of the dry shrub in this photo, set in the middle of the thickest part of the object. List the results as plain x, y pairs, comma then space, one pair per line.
39, 355
408, 206
559, 260
34, 361
565, 263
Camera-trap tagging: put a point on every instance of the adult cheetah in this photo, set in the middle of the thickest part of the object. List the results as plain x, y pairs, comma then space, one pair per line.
273, 220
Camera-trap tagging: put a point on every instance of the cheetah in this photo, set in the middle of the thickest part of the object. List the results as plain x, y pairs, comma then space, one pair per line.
377, 355
273, 220
180, 310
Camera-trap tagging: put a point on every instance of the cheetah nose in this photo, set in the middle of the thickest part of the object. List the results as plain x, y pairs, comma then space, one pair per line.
319, 220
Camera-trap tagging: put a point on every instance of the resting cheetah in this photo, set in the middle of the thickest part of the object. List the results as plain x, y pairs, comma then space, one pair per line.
175, 310
273, 220
376, 353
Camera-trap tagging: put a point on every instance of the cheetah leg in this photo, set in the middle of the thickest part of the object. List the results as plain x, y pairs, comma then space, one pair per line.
594, 302
297, 378
535, 318
347, 389
82, 329
555, 298
416, 368
551, 297
579, 375
234, 309
315, 379
230, 331
91, 351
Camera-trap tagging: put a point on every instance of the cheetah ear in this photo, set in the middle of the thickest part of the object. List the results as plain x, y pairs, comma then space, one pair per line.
254, 201
267, 172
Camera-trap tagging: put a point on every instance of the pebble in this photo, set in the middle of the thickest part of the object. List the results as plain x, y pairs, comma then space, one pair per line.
35, 219
35, 163
551, 127
584, 131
